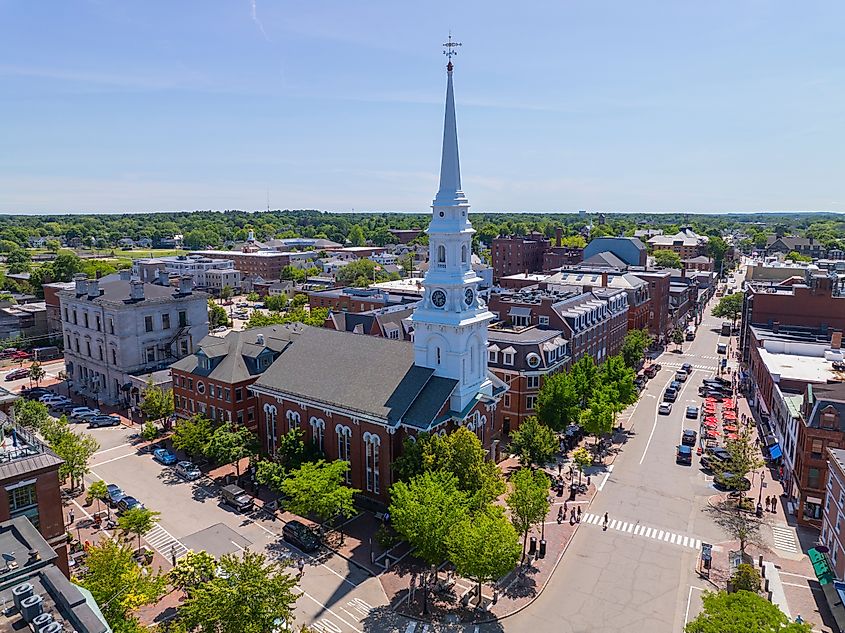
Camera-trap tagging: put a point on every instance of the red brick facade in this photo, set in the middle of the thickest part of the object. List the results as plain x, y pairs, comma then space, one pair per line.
216, 400
512, 255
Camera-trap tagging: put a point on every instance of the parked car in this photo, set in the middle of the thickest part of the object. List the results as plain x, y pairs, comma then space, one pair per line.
113, 494
692, 412
49, 398
665, 408
87, 416
687, 368
164, 456
681, 375
688, 437
17, 374
670, 395
103, 420
297, 534
683, 455
675, 384
220, 329
126, 503
188, 471
715, 457
20, 355
236, 497
64, 408
34, 394
78, 411
722, 348
727, 480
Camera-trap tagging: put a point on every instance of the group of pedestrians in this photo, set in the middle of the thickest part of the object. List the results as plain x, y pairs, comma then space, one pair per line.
574, 514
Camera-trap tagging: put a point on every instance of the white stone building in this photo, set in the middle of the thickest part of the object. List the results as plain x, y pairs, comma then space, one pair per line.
205, 273
122, 327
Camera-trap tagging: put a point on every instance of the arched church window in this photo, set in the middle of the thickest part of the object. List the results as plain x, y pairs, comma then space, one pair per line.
464, 254
438, 355
441, 254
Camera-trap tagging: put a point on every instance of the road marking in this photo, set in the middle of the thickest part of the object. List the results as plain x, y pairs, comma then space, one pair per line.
165, 543
654, 426
114, 459
606, 477
784, 538
236, 545
113, 448
317, 602
689, 600
637, 529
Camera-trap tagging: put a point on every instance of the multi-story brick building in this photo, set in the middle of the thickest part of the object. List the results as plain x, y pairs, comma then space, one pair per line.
29, 475
117, 328
686, 243
265, 264
354, 299
213, 382
833, 516
518, 254
522, 357
205, 273
594, 322
660, 322
822, 427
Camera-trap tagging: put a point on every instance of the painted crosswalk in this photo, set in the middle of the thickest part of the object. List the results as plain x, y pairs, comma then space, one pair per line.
638, 529
165, 543
784, 538
694, 366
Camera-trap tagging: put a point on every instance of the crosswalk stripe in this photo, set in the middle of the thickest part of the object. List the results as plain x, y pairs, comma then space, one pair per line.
650, 532
686, 541
613, 524
623, 527
630, 528
637, 530
661, 535
697, 543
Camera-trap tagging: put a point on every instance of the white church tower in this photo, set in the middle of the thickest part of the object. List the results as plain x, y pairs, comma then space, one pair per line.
450, 325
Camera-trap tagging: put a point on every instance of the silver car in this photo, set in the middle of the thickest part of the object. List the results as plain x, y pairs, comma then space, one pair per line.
187, 470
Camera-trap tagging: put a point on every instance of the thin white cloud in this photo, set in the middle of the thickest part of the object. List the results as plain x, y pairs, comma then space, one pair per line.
256, 20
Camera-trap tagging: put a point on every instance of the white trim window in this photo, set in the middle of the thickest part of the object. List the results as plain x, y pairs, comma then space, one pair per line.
318, 431
293, 419
344, 448
533, 382
507, 358
372, 446
270, 414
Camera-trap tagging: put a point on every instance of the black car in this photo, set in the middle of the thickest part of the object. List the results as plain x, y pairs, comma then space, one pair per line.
692, 412
113, 494
670, 395
688, 437
297, 534
715, 457
127, 503
687, 368
729, 481
34, 394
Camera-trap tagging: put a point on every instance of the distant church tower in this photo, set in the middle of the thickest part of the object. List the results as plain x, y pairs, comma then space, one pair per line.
450, 325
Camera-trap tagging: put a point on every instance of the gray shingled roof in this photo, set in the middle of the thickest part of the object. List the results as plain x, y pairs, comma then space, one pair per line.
365, 374
238, 350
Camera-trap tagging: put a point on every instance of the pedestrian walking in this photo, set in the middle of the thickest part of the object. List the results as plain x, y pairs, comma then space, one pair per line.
767, 504
606, 519
70, 517
559, 467
300, 564
173, 555
578, 518
588, 481
565, 507
774, 503
560, 515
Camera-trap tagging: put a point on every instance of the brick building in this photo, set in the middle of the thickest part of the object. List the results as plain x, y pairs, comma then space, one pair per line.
403, 236
214, 381
354, 299
29, 475
660, 322
686, 243
265, 264
391, 322
833, 516
522, 358
518, 254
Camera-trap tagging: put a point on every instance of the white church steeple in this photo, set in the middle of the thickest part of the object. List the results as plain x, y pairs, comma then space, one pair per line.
450, 325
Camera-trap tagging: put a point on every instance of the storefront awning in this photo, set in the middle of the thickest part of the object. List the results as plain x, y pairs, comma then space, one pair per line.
775, 452
821, 566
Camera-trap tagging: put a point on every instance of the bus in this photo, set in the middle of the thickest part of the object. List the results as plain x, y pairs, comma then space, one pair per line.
41, 354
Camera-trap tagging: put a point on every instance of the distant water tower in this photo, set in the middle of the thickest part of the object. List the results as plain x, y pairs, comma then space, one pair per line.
582, 213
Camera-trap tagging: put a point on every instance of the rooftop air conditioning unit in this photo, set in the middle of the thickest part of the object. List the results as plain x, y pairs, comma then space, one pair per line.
20, 592
31, 607
41, 621
53, 627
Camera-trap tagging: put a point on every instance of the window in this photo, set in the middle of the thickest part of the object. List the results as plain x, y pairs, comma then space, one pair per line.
507, 401
210, 390
183, 318
441, 254
191, 401
88, 347
464, 254
66, 316
239, 394
318, 430
111, 325
293, 420
165, 321
344, 448
530, 401
85, 317
544, 320
533, 382
148, 323
227, 395
183, 347
492, 356
212, 412
23, 501
100, 348
113, 357
520, 320
151, 354
372, 444
816, 450
507, 358
191, 384
99, 323
394, 334
240, 417
250, 414
75, 322
813, 478
841, 499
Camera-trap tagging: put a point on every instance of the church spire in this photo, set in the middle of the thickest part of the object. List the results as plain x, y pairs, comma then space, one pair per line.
450, 167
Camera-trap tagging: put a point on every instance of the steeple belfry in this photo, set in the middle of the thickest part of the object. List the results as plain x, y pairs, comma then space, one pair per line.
450, 324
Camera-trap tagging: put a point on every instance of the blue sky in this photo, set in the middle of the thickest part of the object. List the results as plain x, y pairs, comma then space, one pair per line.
614, 106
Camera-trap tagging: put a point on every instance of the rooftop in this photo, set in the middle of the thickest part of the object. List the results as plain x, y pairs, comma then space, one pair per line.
526, 336
409, 285
812, 369
21, 452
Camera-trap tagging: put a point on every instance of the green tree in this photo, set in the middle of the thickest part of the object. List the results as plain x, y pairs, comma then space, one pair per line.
318, 489
65, 266
746, 578
798, 257
118, 584
729, 307
253, 297
137, 521
97, 491
30, 414
678, 337
558, 402
230, 444
667, 259
534, 443
528, 501
36, 373
598, 418
76, 451
292, 273
217, 315
249, 595
361, 273
618, 380
716, 248
484, 547
226, 293
18, 261
356, 236
53, 245
634, 347
315, 317
149, 431
276, 303
426, 510
192, 570
156, 403
192, 435
581, 457
739, 612
585, 376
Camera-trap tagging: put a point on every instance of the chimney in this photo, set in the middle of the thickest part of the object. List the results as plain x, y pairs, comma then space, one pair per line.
136, 290
836, 340
186, 285
93, 288
559, 237
604, 280
163, 278
81, 281
775, 327
125, 274
259, 339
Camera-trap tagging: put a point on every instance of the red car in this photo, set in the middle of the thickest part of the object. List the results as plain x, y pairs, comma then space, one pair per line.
20, 355
17, 374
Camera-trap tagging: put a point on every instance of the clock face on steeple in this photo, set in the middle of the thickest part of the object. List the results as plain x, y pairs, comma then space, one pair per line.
438, 298
469, 296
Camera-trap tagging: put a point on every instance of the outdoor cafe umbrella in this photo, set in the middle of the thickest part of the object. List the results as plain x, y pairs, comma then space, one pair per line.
710, 424
729, 415
731, 436
729, 428
711, 434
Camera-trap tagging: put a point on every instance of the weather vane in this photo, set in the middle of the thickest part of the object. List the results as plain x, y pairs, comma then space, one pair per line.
449, 49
